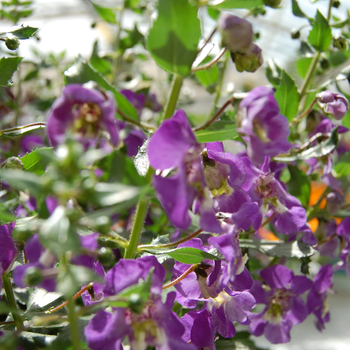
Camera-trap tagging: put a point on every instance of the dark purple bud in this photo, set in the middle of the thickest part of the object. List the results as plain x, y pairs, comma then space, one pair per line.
335, 202
237, 33
249, 61
333, 103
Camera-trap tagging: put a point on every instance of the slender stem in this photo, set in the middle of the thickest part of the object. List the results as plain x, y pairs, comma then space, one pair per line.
301, 116
309, 74
140, 216
73, 325
326, 240
172, 244
177, 280
132, 121
211, 63
209, 38
89, 286
11, 300
216, 116
312, 139
268, 220
19, 94
175, 88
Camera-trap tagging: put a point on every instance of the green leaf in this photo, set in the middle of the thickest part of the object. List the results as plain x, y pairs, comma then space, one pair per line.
238, 4
81, 72
57, 234
320, 150
173, 39
299, 185
20, 130
6, 217
320, 36
100, 64
187, 255
208, 77
35, 161
7, 67
240, 341
273, 73
105, 13
219, 131
303, 64
296, 9
287, 96
279, 249
23, 32
342, 167
23, 180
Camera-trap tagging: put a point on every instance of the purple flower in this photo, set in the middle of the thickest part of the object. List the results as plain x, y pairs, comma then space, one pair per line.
316, 299
137, 100
284, 306
237, 33
174, 150
266, 131
8, 250
333, 103
154, 325
84, 113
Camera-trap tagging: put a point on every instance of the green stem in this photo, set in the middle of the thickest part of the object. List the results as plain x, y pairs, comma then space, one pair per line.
12, 302
73, 325
175, 88
140, 216
309, 74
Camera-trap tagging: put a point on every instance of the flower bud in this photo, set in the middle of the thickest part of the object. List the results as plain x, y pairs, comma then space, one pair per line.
295, 34
333, 103
340, 43
334, 202
272, 3
237, 33
336, 3
13, 163
12, 43
33, 276
249, 61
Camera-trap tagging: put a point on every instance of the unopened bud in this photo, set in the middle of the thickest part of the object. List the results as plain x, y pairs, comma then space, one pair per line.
340, 43
295, 34
333, 103
336, 3
324, 63
334, 202
272, 3
12, 44
249, 61
237, 33
13, 163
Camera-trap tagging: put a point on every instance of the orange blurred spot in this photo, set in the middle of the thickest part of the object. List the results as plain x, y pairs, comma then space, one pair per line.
317, 189
313, 224
264, 233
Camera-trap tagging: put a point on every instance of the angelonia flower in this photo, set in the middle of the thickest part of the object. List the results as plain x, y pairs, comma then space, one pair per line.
179, 181
84, 113
265, 130
333, 103
284, 305
153, 325
237, 33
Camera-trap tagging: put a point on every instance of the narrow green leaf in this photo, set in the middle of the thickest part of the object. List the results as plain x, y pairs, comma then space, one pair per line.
237, 4
7, 67
173, 39
23, 180
219, 131
287, 96
294, 249
208, 77
105, 13
299, 185
20, 130
6, 217
320, 150
302, 65
296, 9
35, 161
100, 64
273, 73
81, 72
23, 32
189, 255
320, 36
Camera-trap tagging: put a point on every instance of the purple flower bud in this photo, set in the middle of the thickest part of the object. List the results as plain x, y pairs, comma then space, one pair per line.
333, 103
249, 61
237, 33
335, 202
